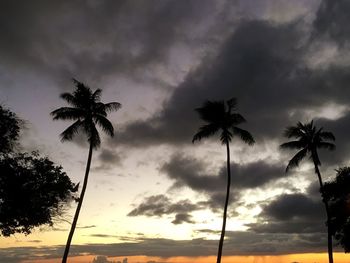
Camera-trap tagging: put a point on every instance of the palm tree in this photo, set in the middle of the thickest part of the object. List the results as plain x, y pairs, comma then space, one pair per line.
87, 110
221, 116
309, 139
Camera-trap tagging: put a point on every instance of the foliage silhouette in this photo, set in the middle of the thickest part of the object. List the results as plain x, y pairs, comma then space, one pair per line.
309, 140
221, 116
9, 130
87, 111
33, 190
337, 193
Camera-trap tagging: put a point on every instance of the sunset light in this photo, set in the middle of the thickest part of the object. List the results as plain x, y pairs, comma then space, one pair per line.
174, 131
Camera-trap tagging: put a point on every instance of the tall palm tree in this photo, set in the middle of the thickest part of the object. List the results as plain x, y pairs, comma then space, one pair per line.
221, 116
309, 140
87, 110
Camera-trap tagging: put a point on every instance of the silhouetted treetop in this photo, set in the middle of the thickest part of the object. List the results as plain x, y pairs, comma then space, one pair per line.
221, 116
309, 139
9, 129
33, 191
87, 111
337, 193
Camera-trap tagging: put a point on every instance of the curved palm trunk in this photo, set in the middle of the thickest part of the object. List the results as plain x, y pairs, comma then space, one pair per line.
221, 242
329, 230
75, 219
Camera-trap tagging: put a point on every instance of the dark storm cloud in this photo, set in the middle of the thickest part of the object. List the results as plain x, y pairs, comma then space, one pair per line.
264, 65
190, 172
292, 213
92, 38
250, 66
341, 130
290, 206
331, 19
160, 205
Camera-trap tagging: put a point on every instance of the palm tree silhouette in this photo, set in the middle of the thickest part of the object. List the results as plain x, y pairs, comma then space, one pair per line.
87, 110
221, 116
309, 139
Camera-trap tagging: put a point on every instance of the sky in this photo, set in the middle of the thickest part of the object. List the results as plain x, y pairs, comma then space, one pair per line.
153, 196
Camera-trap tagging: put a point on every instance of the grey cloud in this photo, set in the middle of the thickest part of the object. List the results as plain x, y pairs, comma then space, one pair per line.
341, 130
109, 156
254, 174
108, 159
331, 18
189, 172
103, 235
292, 213
86, 227
35, 241
237, 243
260, 72
182, 218
160, 205
91, 39
263, 65
290, 206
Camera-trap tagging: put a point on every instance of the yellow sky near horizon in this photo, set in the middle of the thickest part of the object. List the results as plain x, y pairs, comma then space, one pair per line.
290, 258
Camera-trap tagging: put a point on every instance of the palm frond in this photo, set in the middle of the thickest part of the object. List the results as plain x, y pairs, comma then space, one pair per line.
69, 98
105, 124
326, 145
67, 113
205, 131
294, 162
87, 110
244, 135
112, 106
211, 111
232, 103
236, 119
225, 136
293, 145
327, 136
294, 131
96, 96
71, 131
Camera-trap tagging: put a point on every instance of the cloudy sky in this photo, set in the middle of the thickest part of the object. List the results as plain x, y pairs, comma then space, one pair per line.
153, 196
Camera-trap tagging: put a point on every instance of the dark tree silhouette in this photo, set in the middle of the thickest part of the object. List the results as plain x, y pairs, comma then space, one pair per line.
221, 116
87, 111
309, 140
33, 190
9, 130
337, 193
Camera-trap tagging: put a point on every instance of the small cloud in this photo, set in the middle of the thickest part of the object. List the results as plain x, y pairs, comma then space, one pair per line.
182, 218
86, 227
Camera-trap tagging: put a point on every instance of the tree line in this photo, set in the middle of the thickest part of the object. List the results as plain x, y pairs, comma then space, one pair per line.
34, 191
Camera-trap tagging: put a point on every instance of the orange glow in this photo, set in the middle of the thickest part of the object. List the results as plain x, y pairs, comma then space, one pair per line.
301, 258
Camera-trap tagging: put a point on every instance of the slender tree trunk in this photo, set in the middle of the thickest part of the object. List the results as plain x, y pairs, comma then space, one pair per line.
329, 228
75, 220
221, 242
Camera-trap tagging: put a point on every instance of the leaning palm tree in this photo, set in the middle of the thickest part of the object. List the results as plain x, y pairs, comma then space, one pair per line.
87, 110
309, 139
221, 116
